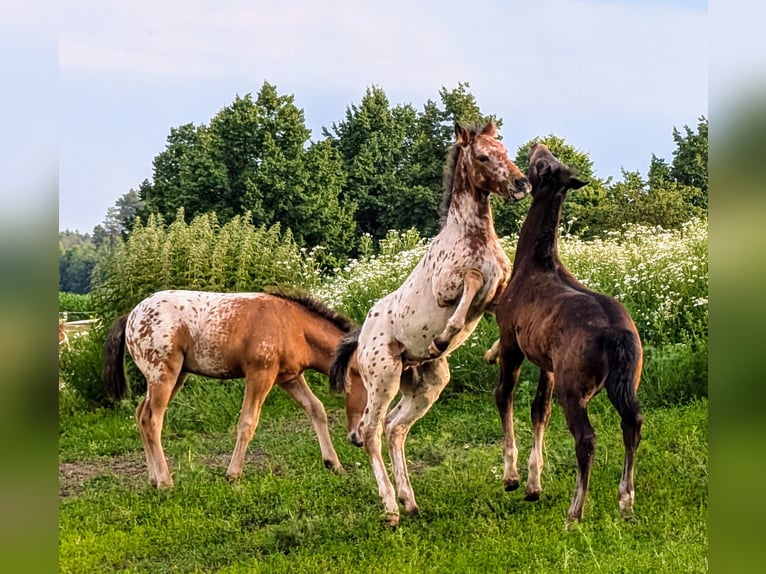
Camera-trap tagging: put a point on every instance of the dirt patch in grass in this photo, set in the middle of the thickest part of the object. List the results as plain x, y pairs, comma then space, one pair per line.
130, 469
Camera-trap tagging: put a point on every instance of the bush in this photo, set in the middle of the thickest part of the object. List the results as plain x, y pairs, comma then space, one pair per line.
81, 367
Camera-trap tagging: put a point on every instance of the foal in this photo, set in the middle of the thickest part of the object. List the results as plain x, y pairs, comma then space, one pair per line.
267, 338
587, 339
407, 336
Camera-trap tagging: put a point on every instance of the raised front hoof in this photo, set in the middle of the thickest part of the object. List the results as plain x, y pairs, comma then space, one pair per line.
511, 484
437, 347
532, 495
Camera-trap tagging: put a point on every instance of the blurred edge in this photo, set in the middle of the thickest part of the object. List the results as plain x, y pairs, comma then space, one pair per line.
737, 252
28, 288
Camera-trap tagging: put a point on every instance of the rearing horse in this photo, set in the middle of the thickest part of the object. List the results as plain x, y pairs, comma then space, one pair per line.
406, 337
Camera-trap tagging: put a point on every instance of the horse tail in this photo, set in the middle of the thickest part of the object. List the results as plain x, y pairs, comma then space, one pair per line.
114, 369
343, 354
624, 357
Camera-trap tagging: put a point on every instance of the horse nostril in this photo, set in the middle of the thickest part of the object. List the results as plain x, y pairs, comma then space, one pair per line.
522, 183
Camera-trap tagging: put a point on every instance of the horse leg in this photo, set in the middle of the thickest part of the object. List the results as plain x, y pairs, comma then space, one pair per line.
585, 448
428, 381
258, 383
301, 394
473, 281
510, 369
150, 415
382, 384
541, 412
631, 436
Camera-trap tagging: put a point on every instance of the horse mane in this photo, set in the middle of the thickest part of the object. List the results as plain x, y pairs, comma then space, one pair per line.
315, 306
448, 177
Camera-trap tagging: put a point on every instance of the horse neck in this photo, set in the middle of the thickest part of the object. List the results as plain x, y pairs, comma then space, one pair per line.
323, 339
538, 244
469, 206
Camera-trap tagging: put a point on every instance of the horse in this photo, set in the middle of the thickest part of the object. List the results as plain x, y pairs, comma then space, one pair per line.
267, 338
406, 337
581, 340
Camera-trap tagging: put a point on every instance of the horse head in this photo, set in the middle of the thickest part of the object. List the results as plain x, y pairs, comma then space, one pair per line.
488, 166
546, 172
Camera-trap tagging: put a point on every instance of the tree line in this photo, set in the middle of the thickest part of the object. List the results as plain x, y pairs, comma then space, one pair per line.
377, 169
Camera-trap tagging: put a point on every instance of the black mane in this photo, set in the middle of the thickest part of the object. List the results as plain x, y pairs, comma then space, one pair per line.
317, 307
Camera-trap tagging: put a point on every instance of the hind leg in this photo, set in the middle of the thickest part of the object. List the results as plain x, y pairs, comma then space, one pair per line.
541, 412
631, 436
258, 383
585, 448
381, 375
150, 415
427, 382
301, 393
510, 369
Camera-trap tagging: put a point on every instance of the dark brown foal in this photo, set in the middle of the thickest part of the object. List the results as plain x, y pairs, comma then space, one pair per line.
582, 341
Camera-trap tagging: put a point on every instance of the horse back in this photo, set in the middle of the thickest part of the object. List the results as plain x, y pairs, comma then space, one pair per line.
213, 334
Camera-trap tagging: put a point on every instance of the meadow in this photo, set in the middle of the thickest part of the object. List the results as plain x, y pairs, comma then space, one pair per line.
289, 514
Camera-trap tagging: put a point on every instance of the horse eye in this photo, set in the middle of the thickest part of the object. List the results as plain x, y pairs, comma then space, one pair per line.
483, 158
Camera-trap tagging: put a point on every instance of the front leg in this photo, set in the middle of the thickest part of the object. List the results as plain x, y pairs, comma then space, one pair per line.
473, 281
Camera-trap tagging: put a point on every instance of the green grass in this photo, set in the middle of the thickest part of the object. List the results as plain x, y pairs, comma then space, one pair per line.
289, 514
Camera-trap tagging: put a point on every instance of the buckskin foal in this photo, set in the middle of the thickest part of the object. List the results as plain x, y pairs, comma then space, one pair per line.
582, 341
406, 337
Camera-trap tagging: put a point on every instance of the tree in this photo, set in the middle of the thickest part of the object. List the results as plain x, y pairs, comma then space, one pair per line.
254, 156
394, 157
578, 213
689, 167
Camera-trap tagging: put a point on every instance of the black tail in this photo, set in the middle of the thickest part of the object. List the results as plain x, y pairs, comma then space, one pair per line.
114, 368
343, 355
624, 356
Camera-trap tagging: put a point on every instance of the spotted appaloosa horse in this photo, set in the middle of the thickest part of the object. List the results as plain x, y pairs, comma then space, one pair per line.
582, 341
267, 338
405, 339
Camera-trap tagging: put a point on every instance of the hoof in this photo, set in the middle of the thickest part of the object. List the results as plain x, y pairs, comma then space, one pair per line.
334, 466
391, 519
532, 496
511, 484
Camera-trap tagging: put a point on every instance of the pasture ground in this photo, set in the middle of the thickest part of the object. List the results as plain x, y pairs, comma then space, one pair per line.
289, 514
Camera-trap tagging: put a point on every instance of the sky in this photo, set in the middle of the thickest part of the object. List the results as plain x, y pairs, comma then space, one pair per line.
613, 78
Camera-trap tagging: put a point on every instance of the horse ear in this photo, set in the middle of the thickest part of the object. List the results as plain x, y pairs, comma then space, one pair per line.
490, 129
543, 168
576, 183
462, 135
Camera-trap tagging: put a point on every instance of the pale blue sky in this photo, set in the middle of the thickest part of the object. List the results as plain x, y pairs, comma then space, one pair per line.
612, 78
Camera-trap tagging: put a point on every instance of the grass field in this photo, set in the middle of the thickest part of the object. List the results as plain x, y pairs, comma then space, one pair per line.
289, 514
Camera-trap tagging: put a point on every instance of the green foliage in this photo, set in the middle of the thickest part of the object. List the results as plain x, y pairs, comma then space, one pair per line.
77, 306
81, 367
689, 166
201, 255
76, 265
394, 157
253, 158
